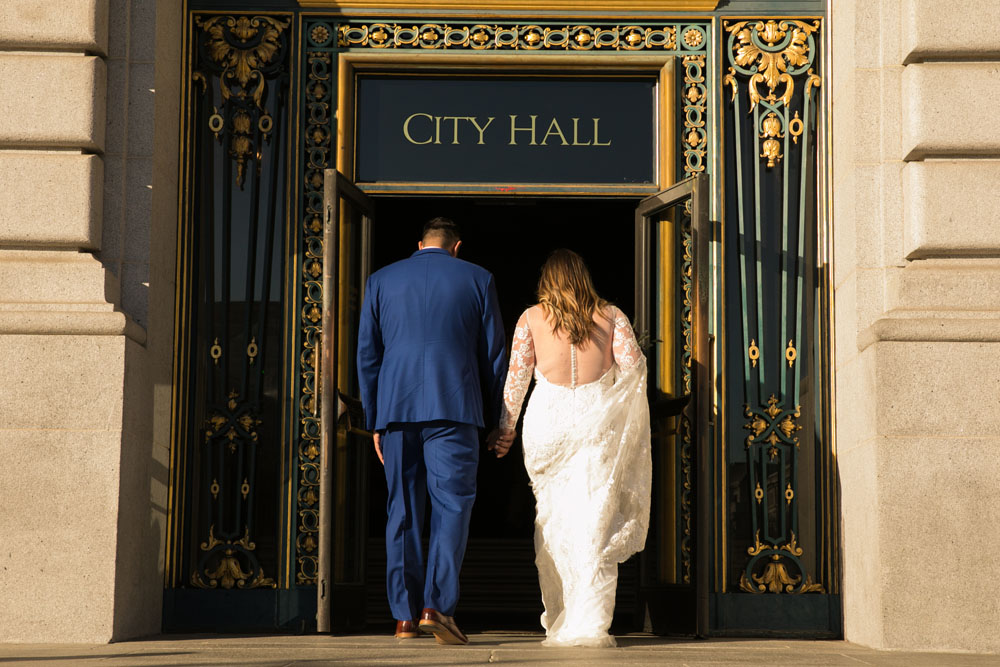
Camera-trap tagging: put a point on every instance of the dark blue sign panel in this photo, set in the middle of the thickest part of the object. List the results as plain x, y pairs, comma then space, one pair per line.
506, 129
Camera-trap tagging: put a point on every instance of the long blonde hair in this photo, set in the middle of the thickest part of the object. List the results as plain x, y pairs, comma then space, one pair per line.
567, 296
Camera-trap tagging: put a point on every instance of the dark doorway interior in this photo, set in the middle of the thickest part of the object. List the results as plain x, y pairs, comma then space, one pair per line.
512, 238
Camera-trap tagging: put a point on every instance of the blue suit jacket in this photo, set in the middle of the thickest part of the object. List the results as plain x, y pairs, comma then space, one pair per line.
431, 342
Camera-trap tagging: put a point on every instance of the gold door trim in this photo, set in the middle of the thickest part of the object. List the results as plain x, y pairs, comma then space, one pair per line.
487, 8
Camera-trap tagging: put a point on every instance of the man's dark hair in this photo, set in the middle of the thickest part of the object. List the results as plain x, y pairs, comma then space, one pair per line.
443, 231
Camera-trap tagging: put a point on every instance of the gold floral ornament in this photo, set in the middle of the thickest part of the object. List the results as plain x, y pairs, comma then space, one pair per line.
320, 34
257, 43
236, 423
770, 52
693, 38
243, 47
775, 577
228, 571
768, 423
770, 133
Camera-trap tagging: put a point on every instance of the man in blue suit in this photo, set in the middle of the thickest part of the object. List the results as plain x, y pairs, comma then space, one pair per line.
430, 344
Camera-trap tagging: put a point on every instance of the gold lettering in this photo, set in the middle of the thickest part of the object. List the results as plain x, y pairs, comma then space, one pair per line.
437, 129
554, 129
514, 129
576, 133
454, 126
472, 119
597, 141
406, 128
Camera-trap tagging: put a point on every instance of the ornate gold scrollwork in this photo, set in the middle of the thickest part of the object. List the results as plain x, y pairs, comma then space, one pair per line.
758, 493
233, 424
757, 547
242, 47
769, 49
772, 52
793, 546
317, 152
812, 80
758, 425
753, 352
483, 36
253, 350
775, 577
730, 80
695, 111
228, 571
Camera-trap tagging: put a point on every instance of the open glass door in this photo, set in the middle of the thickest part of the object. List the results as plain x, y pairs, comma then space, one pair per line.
672, 239
345, 446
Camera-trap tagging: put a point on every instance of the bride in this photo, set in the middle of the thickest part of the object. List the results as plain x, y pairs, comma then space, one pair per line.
586, 447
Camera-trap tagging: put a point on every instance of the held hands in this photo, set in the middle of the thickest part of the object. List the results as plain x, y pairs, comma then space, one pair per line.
377, 437
500, 441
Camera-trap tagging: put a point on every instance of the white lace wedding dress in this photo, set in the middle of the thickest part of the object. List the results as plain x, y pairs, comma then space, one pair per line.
586, 450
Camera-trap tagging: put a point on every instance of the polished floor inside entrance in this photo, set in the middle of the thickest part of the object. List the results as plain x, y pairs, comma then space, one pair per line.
510, 237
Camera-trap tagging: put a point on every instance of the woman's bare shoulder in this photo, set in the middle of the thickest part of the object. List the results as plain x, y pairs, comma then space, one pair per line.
532, 315
611, 312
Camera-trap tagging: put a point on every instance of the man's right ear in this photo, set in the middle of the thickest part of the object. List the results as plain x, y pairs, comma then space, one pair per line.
420, 245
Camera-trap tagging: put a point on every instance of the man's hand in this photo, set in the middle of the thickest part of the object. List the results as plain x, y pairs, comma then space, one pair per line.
500, 441
377, 437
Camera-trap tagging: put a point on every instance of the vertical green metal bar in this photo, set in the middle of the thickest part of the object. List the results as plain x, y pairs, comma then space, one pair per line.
785, 511
800, 259
757, 248
762, 506
737, 121
793, 507
754, 519
786, 259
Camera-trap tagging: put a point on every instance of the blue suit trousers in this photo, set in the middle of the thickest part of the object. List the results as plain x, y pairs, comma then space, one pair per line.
439, 458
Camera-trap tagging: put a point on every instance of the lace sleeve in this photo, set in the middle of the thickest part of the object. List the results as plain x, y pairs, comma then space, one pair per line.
522, 363
625, 347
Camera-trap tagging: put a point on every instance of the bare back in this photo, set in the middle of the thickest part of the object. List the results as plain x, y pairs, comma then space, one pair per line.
537, 347
557, 359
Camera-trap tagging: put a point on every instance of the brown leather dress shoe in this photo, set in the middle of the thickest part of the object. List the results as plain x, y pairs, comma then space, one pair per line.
407, 630
442, 627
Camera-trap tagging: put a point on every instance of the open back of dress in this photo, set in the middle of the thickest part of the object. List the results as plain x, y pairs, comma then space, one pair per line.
536, 347
564, 363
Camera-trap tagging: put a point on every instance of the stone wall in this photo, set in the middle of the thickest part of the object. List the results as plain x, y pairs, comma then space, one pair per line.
83, 482
917, 273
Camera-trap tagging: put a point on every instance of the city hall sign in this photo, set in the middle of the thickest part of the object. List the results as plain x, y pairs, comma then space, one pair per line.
512, 128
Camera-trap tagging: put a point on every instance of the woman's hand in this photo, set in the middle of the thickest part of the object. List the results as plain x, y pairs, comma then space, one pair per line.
503, 442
